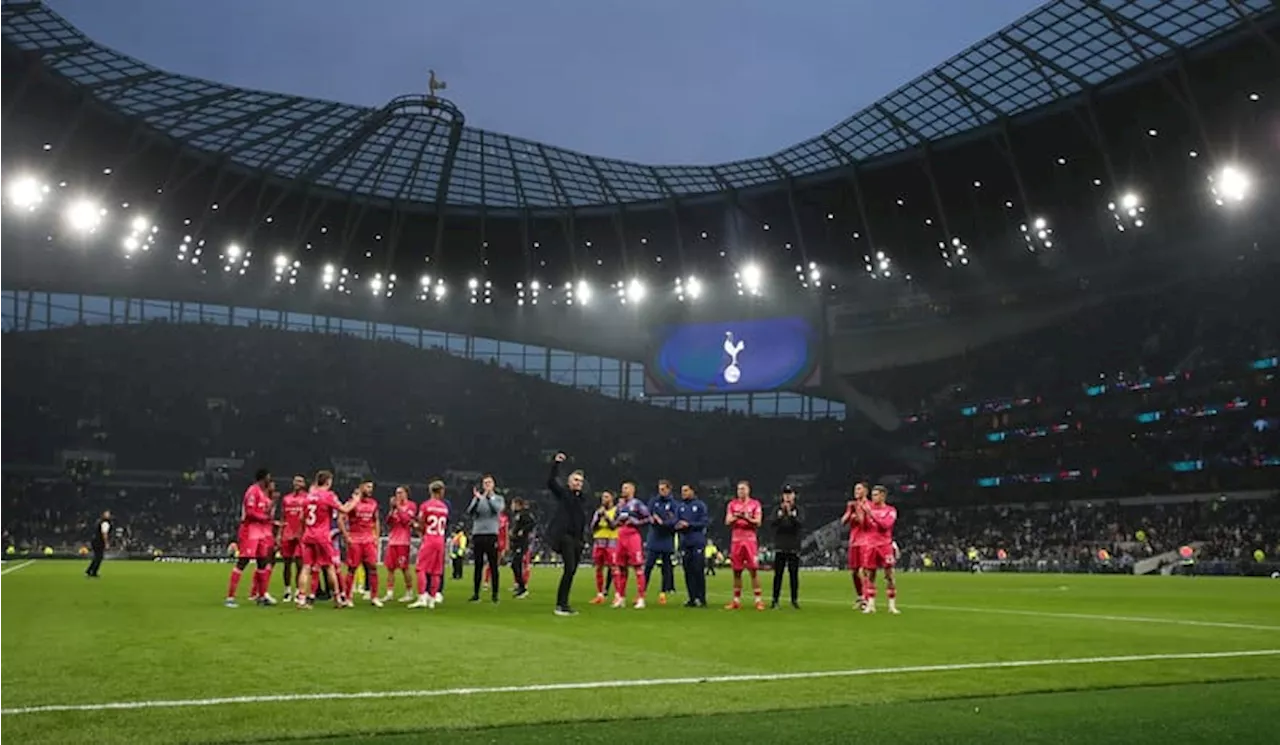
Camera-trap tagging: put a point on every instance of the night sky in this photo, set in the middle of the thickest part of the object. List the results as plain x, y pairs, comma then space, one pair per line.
660, 81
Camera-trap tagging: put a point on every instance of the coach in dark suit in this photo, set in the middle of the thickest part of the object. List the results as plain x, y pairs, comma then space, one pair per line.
567, 527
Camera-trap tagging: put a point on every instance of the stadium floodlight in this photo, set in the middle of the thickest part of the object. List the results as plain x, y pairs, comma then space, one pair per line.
84, 215
439, 290
1231, 186
693, 288
954, 253
233, 251
1128, 211
375, 284
27, 193
635, 290
1037, 236
879, 266
140, 224
473, 283
583, 292
810, 276
749, 278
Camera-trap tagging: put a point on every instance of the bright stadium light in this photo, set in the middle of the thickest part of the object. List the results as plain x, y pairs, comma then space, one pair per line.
583, 293
439, 290
375, 284
140, 224
84, 215
635, 290
1128, 211
749, 279
1037, 236
27, 193
1230, 186
691, 287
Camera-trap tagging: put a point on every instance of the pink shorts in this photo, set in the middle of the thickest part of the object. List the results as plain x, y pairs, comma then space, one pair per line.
876, 557
602, 555
630, 550
362, 553
253, 547
855, 556
397, 557
317, 553
742, 555
290, 548
431, 558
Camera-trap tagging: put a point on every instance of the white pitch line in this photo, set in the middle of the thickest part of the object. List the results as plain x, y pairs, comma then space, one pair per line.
16, 567
1097, 617
642, 683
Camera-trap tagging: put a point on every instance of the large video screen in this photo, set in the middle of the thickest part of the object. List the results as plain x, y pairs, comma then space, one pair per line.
764, 354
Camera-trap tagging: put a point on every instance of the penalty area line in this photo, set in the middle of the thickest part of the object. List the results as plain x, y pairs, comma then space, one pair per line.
11, 569
641, 683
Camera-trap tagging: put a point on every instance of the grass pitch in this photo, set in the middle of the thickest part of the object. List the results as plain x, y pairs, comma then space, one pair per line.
1004, 658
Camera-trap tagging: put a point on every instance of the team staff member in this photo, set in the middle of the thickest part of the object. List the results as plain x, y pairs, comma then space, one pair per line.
788, 528
98, 542
485, 511
691, 526
521, 532
661, 540
567, 528
458, 550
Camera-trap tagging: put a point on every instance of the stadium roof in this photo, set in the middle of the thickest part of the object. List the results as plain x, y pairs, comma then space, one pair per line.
413, 152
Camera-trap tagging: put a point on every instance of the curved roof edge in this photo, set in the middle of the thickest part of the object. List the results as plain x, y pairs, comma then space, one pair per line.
1060, 49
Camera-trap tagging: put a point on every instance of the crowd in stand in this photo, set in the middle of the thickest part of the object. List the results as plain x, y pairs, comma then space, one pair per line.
1153, 394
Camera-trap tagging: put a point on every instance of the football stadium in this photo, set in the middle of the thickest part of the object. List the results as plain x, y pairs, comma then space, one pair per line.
327, 422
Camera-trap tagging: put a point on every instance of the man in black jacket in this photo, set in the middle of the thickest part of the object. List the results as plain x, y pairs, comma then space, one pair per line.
567, 527
788, 527
521, 528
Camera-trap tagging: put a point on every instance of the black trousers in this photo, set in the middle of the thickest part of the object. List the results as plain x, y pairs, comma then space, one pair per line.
788, 561
668, 569
486, 549
98, 550
695, 580
570, 551
518, 554
457, 567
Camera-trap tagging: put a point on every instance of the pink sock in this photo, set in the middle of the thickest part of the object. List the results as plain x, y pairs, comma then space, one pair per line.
234, 583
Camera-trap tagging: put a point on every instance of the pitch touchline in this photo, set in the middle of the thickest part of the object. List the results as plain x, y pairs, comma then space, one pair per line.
1096, 617
643, 683
16, 567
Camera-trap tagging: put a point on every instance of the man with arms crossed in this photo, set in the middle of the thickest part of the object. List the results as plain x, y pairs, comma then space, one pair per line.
879, 519
433, 524
399, 536
632, 516
317, 539
691, 526
255, 534
854, 512
743, 516
567, 526
291, 532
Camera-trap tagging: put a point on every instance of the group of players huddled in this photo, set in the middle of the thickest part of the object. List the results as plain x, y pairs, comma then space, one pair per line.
303, 540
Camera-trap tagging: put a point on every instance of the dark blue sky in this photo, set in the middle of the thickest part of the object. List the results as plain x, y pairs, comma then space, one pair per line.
659, 81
